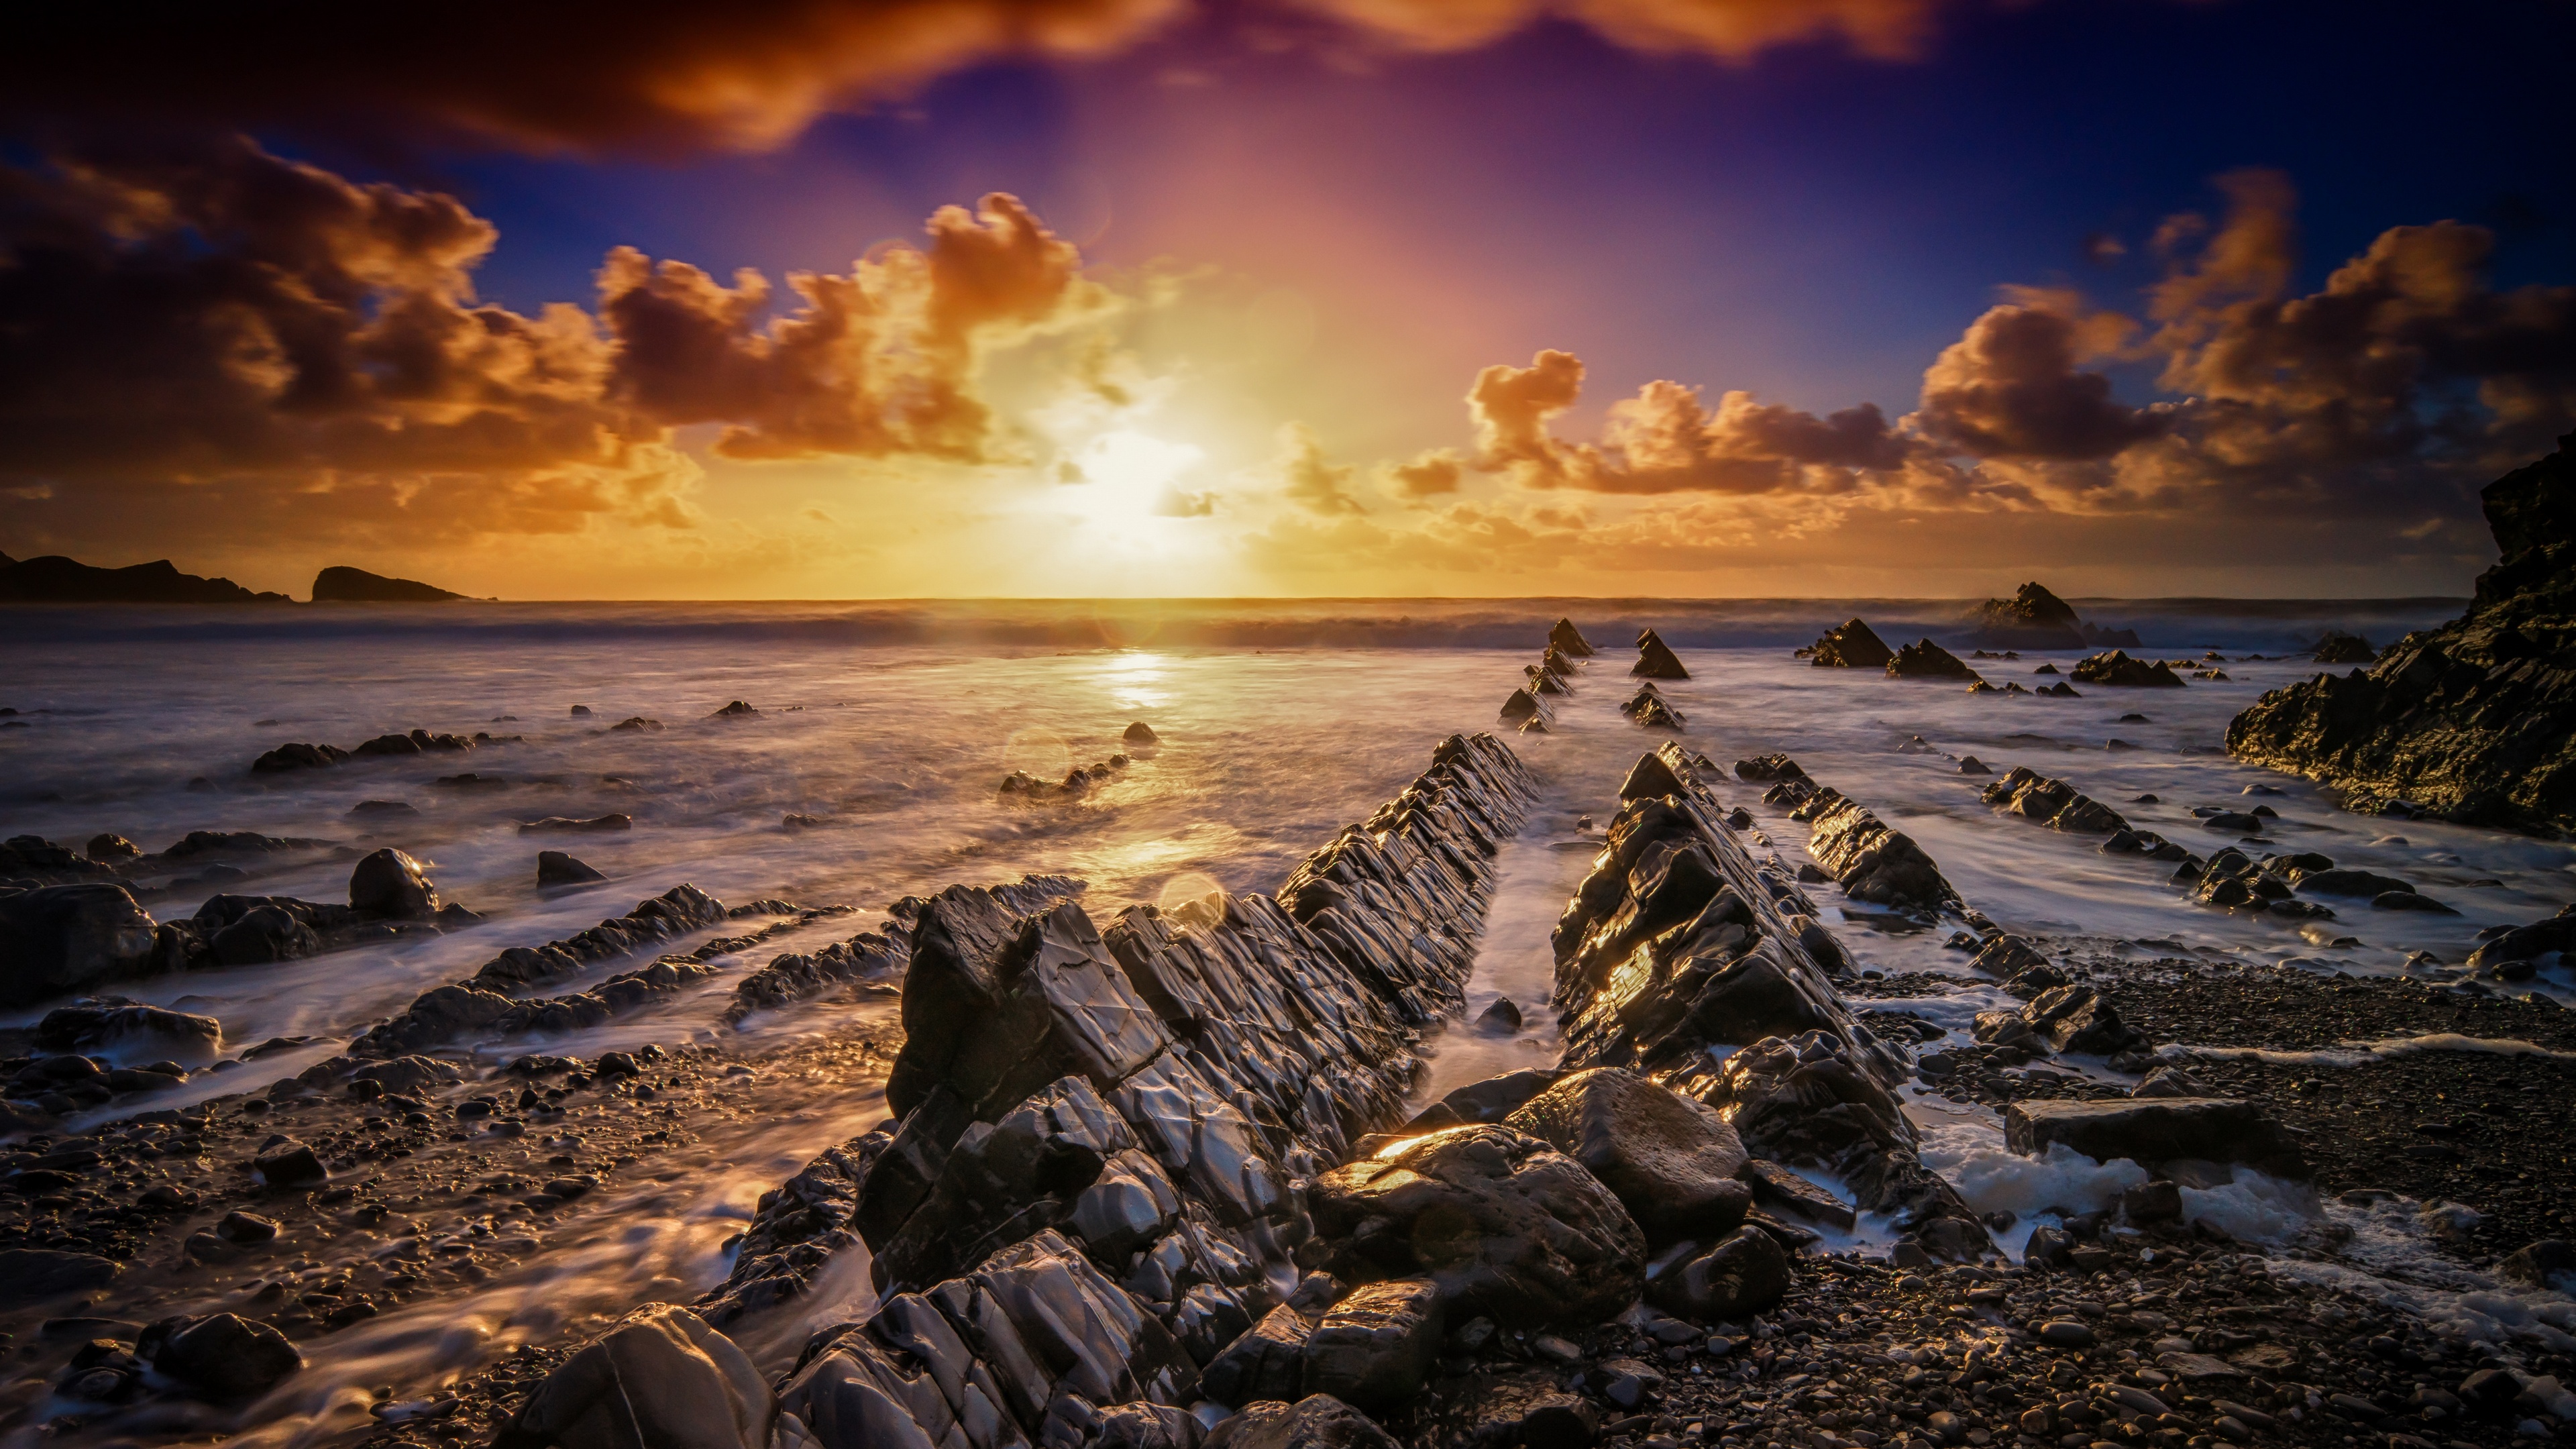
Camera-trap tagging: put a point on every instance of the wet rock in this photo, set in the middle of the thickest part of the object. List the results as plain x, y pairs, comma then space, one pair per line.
1649, 710
2169, 1081
1139, 737
2118, 669
1764, 769
1374, 1348
1850, 645
2541, 1263
555, 868
1564, 638
2054, 803
291, 757
1971, 765
2338, 647
1873, 862
2156, 1131
242, 1227
2410, 900
1318, 1421
1266, 1361
565, 825
1525, 706
2472, 720
1503, 1018
1741, 1274
219, 1356
253, 931
2034, 618
1924, 659
738, 709
1508, 1228
45, 1272
130, 1028
392, 884
1671, 1162
2079, 1019
375, 808
662, 1376
112, 849
2526, 943
2346, 882
63, 938
1656, 660
636, 724
287, 1164
2008, 956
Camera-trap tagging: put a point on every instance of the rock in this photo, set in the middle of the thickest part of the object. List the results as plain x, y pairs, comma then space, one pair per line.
392, 884
2008, 957
1266, 1361
1565, 639
2410, 900
2539, 1264
289, 757
1775, 1186
554, 868
738, 709
1503, 1018
2033, 618
2078, 1019
2472, 720
2066, 1333
2169, 1081
383, 807
1139, 737
2159, 1201
580, 711
1508, 1228
2053, 803
637, 724
2152, 1132
1671, 1162
33, 1273
288, 1164
1318, 1421
219, 1356
1525, 707
1924, 659
1374, 1348
2346, 882
1971, 765
2117, 668
565, 825
1872, 862
341, 584
131, 1031
662, 1376
2338, 647
1656, 660
111, 849
1741, 1274
61, 938
242, 1227
1850, 645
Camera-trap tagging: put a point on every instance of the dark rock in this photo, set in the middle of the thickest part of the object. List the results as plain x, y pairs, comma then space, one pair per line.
288, 1165
2054, 803
289, 757
1509, 1228
111, 849
54, 579
2152, 1132
1318, 1421
1564, 638
1763, 769
219, 1356
636, 724
662, 1376
2409, 899
2078, 1019
383, 807
388, 747
1872, 862
263, 933
2338, 647
2118, 669
2033, 618
1525, 706
1741, 1274
580, 711
242, 1227
110, 1024
1139, 737
1971, 765
1775, 1186
1850, 645
33, 1273
1656, 660
1374, 1348
1924, 659
392, 884
1670, 1161
341, 584
62, 938
1266, 1361
1503, 1018
738, 709
554, 868
2471, 720
565, 825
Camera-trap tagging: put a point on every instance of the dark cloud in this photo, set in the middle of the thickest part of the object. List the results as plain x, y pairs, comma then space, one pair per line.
2010, 388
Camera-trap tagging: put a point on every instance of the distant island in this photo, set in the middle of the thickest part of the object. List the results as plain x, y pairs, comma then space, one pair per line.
54, 579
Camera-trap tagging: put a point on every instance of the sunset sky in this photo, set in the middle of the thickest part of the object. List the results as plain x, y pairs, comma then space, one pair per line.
797, 299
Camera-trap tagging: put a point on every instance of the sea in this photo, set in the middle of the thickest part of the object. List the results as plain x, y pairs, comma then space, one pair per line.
886, 728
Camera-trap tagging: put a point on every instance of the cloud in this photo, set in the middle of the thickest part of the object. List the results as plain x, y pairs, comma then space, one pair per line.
215, 322
1732, 30
1426, 474
1304, 476
2010, 388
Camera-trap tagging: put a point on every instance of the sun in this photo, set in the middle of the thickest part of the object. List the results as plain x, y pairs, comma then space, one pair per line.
1123, 475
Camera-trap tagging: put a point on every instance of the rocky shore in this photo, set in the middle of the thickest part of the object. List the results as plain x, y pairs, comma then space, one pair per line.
2474, 721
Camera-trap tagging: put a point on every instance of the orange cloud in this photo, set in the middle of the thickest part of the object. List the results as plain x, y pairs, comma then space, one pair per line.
1726, 29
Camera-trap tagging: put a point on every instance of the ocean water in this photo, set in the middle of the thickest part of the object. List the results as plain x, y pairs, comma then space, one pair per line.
891, 725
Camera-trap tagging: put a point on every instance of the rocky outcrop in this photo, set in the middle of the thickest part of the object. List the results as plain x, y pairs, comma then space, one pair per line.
2338, 647
1680, 942
64, 938
1078, 782
2034, 618
1569, 641
289, 758
556, 868
1870, 861
1130, 1109
2474, 721
2116, 668
2060, 806
341, 584
660, 1377
1849, 645
874, 955
1656, 660
53, 579
1924, 659
1650, 710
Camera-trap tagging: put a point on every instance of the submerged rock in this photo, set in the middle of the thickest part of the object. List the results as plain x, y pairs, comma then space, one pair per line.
1564, 638
1924, 659
1850, 645
555, 868
2117, 668
2056, 804
1656, 660
390, 883
2033, 618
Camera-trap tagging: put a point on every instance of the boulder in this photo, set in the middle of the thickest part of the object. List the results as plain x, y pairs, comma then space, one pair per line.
2338, 647
134, 1032
1375, 1347
2115, 667
2006, 956
1509, 1228
2540, 1264
1872, 862
390, 883
2033, 618
1565, 639
1670, 1161
1924, 659
287, 1165
264, 933
111, 849
1503, 1018
2527, 943
736, 709
2345, 881
2078, 1019
34, 1273
1525, 706
1265, 1361
62, 938
220, 1356
2154, 1131
555, 868
1139, 737
1739, 1275
1318, 1421
1656, 660
1850, 645
661, 1377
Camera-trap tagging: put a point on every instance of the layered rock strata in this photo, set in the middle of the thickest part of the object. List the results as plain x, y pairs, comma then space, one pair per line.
1870, 861
1680, 945
1090, 1187
2474, 721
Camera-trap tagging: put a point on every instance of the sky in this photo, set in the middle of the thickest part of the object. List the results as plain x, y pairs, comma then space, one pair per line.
938, 298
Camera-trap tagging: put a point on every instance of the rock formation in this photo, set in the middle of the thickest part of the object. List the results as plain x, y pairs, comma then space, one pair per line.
1656, 660
2034, 618
1924, 659
1569, 641
1870, 861
1849, 645
2117, 668
341, 584
2474, 721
